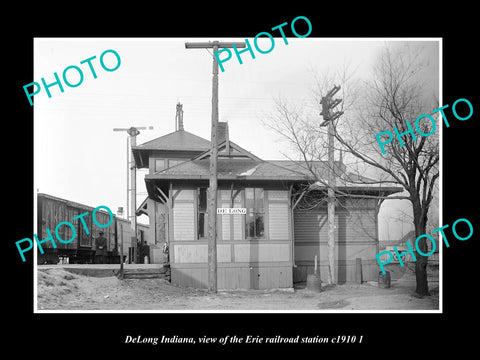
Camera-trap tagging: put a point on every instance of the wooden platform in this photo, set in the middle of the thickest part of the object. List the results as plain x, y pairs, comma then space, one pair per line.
131, 271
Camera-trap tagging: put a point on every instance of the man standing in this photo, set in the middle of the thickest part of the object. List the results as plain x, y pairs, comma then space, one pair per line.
100, 249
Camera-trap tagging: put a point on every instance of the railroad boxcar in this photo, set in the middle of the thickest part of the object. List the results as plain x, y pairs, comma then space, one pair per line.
81, 250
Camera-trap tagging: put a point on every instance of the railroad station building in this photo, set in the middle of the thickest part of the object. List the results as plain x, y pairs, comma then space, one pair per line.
285, 226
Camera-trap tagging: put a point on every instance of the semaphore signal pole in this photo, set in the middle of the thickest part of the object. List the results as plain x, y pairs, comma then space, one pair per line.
327, 105
132, 188
212, 203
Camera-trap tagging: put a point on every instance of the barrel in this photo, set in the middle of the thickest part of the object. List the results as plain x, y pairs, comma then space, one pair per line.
314, 283
384, 279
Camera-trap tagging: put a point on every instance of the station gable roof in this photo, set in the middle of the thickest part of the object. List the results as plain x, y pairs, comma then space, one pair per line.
179, 141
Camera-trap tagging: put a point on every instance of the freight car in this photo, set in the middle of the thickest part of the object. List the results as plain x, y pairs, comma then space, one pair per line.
52, 211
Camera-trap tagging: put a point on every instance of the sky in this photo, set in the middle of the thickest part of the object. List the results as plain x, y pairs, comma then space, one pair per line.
79, 157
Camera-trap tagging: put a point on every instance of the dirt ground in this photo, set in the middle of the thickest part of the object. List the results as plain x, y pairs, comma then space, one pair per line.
58, 289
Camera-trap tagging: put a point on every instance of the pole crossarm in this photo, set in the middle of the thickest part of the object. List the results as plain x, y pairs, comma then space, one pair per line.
212, 44
328, 104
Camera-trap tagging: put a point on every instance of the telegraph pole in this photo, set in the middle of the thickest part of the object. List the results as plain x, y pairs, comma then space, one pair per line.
212, 202
327, 105
132, 132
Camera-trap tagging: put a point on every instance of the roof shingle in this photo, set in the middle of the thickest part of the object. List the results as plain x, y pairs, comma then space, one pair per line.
180, 140
228, 168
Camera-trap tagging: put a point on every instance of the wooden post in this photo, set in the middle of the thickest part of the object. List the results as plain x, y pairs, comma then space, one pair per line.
327, 104
212, 205
358, 270
212, 202
331, 205
121, 251
133, 132
128, 176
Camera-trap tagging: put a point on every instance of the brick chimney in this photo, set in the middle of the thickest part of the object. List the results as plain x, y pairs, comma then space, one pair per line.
179, 118
222, 135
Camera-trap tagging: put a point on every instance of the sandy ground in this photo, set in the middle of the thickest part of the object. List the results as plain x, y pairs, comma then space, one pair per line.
58, 289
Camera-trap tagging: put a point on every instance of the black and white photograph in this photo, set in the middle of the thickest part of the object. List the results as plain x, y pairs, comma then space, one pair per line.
307, 200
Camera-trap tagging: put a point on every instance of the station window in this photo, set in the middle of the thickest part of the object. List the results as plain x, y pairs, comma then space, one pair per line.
202, 213
255, 218
159, 164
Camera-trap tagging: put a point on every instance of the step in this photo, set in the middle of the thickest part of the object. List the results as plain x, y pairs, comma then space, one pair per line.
146, 273
143, 276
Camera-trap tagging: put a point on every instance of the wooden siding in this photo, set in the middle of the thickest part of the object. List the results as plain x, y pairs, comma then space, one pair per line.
262, 252
278, 195
225, 195
246, 253
198, 253
54, 211
51, 213
361, 225
163, 155
183, 221
345, 271
310, 225
184, 195
351, 226
355, 237
305, 253
278, 221
228, 278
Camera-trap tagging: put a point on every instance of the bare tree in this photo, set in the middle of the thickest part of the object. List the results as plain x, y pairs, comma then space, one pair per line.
395, 94
395, 97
